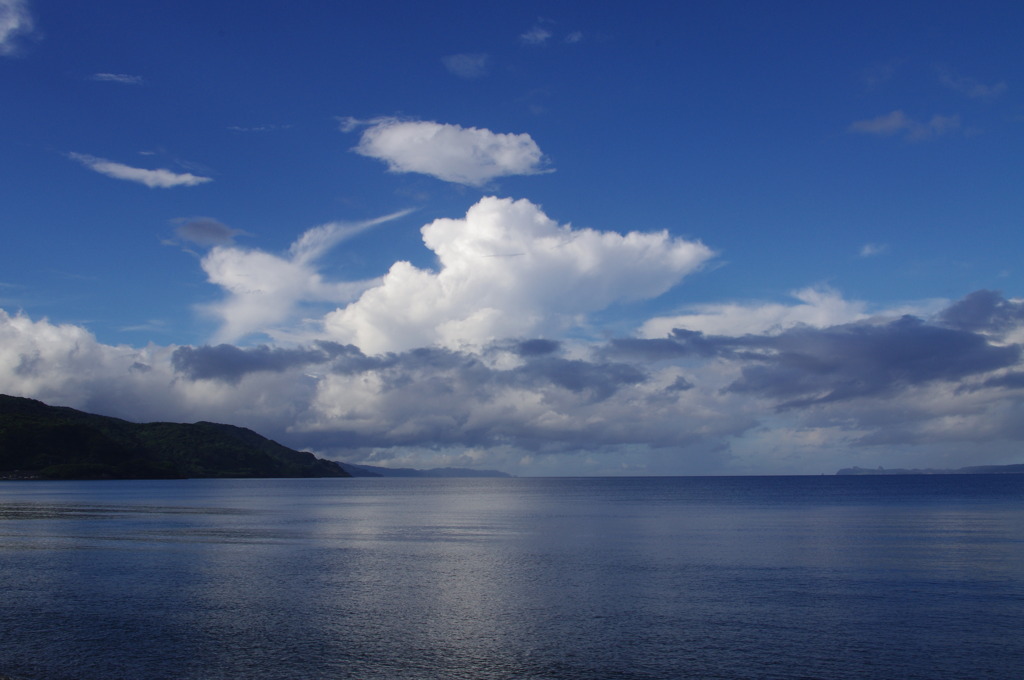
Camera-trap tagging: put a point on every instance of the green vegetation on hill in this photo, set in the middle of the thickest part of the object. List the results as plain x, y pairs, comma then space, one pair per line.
53, 442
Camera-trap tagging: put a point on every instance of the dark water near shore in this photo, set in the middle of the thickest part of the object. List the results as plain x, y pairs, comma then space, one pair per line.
654, 578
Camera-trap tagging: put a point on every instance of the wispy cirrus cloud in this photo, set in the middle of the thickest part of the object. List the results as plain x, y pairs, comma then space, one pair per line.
270, 127
878, 74
537, 35
264, 290
816, 306
154, 179
970, 87
15, 22
873, 249
542, 32
122, 78
898, 123
467, 65
470, 156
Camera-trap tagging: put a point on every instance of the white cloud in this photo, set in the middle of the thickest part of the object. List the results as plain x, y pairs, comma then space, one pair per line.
264, 291
64, 364
872, 249
394, 407
452, 153
459, 403
469, 66
507, 270
971, 87
15, 21
123, 78
898, 122
537, 35
907, 392
162, 179
818, 307
888, 124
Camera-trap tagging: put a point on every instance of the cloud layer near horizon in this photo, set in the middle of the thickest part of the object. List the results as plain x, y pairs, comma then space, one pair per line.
792, 400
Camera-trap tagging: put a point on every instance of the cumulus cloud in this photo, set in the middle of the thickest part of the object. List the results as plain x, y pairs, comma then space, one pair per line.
508, 270
467, 65
806, 366
337, 400
536, 347
435, 397
985, 311
1011, 380
903, 391
470, 156
817, 307
265, 290
925, 385
15, 22
230, 363
162, 179
64, 364
899, 123
123, 78
533, 369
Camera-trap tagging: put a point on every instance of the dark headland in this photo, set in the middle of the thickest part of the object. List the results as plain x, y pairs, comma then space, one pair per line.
38, 441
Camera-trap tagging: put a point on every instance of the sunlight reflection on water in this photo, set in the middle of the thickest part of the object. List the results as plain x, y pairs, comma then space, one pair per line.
513, 578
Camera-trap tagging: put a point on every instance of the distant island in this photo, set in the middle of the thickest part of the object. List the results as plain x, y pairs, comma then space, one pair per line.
972, 470
38, 441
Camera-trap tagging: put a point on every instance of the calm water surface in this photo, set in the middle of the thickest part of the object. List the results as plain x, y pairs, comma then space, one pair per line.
644, 578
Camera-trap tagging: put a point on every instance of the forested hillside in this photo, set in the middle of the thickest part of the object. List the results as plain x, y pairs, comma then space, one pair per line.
52, 442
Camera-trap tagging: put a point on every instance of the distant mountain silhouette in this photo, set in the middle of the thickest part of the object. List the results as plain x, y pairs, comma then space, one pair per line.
972, 470
53, 442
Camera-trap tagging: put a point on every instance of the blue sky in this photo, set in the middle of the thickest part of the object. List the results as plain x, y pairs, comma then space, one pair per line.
549, 238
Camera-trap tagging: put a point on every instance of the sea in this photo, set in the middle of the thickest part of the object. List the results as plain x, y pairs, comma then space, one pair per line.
826, 577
